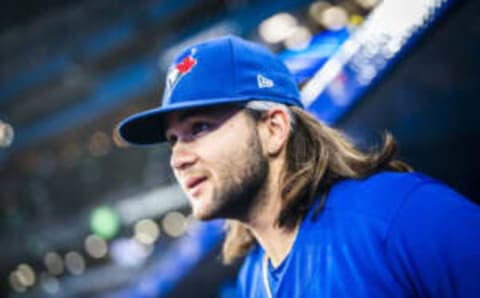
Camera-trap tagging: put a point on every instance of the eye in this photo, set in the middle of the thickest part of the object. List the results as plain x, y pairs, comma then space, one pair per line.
171, 139
201, 127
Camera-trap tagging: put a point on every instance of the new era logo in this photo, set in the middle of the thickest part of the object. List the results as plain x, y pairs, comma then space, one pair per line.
264, 82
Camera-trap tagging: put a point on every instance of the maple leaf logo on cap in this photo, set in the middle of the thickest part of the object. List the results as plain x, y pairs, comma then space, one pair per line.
186, 64
179, 69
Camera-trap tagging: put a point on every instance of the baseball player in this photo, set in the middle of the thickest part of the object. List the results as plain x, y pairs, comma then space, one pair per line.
314, 215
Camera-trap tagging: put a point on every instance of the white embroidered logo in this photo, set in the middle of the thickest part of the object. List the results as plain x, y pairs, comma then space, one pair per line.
264, 82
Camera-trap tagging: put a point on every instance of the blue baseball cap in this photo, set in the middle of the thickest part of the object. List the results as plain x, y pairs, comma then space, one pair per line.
220, 71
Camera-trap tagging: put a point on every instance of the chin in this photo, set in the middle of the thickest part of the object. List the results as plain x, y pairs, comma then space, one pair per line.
202, 209
205, 213
203, 216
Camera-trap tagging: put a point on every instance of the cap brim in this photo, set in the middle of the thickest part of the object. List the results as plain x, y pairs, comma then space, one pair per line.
147, 127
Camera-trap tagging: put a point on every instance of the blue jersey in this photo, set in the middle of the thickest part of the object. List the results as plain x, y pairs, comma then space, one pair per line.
391, 235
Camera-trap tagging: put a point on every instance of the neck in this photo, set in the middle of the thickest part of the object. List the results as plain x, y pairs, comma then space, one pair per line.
276, 241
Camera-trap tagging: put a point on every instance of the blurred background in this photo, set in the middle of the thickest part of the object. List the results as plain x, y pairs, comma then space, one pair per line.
81, 215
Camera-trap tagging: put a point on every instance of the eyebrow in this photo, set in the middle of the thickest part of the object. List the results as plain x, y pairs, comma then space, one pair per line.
189, 113
183, 115
203, 110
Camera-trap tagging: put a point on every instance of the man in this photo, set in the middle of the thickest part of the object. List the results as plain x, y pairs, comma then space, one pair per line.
315, 216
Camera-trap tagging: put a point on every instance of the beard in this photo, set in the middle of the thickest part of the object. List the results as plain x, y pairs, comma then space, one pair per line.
243, 186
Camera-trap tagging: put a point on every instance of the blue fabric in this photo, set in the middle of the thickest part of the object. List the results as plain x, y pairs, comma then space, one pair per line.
224, 70
391, 235
275, 274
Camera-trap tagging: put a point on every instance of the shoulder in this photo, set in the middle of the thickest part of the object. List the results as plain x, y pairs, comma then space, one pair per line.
391, 184
434, 240
433, 209
406, 203
388, 201
381, 195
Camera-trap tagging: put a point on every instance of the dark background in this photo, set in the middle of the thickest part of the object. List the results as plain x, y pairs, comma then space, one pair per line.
429, 101
50, 182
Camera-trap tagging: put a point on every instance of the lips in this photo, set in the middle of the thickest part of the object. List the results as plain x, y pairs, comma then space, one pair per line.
194, 181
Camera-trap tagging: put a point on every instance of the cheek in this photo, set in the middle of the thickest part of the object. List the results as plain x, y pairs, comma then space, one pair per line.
223, 153
228, 165
217, 162
226, 149
221, 160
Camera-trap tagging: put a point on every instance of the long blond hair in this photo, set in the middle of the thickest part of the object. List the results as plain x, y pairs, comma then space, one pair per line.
317, 157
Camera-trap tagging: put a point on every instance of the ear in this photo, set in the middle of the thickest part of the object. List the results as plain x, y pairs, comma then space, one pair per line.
275, 131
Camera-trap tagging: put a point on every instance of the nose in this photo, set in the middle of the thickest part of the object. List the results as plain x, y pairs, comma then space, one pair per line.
182, 157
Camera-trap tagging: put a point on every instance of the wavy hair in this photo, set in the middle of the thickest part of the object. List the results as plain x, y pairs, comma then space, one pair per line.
318, 156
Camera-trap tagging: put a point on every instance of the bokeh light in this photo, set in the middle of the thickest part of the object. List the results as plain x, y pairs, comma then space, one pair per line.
26, 275
104, 222
174, 224
278, 27
99, 144
75, 263
6, 134
146, 231
54, 263
96, 247
49, 283
316, 10
129, 252
355, 20
367, 4
300, 39
15, 283
334, 18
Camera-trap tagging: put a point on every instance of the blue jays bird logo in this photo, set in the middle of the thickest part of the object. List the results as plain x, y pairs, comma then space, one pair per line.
183, 65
